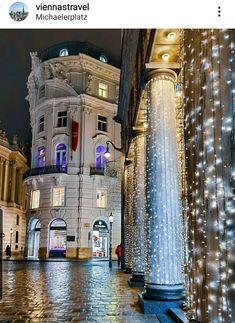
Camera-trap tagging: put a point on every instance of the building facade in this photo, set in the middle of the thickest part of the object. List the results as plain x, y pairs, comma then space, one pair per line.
176, 107
73, 188
13, 165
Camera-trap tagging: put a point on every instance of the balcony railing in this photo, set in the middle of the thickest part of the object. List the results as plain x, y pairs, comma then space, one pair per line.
94, 170
52, 169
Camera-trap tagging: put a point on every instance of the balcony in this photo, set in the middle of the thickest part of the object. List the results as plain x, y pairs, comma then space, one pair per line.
111, 169
94, 170
52, 169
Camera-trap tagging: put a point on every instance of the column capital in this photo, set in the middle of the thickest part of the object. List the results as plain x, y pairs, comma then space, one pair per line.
13, 164
160, 74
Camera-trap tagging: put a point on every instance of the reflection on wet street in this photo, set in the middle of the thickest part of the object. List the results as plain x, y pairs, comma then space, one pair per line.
68, 292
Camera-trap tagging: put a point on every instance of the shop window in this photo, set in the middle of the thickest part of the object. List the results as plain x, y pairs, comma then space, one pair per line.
101, 199
58, 196
102, 123
41, 124
35, 197
62, 119
103, 90
41, 157
61, 155
63, 52
100, 158
17, 219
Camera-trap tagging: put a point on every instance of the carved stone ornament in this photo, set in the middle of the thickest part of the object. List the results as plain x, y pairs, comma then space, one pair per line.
87, 110
59, 71
89, 84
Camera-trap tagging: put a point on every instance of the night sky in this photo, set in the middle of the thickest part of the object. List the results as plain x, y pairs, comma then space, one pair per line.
16, 65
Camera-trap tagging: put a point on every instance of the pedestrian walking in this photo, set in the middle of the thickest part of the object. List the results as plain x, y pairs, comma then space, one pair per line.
8, 251
118, 252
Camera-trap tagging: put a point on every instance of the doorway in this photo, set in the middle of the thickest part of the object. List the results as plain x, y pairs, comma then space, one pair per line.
100, 239
57, 241
34, 238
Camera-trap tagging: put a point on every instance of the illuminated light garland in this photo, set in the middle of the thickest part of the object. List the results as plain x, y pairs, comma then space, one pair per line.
128, 215
209, 112
139, 206
164, 245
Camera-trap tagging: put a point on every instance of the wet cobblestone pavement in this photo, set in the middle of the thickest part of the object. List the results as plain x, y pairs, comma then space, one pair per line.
68, 292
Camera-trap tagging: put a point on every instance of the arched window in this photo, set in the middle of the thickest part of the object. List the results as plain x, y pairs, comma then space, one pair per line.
41, 157
64, 52
100, 158
61, 155
103, 58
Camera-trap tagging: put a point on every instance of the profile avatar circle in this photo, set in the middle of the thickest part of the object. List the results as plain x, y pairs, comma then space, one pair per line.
18, 11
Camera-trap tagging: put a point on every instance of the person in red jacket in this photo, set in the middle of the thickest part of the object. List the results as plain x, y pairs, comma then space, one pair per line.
118, 252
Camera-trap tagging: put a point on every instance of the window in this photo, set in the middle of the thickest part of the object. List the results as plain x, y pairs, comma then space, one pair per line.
41, 124
102, 123
17, 219
101, 198
62, 119
35, 197
100, 158
58, 196
103, 58
17, 236
103, 90
61, 155
41, 157
64, 52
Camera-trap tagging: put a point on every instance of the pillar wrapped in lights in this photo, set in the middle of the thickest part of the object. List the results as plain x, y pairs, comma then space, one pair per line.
128, 216
164, 280
139, 210
209, 69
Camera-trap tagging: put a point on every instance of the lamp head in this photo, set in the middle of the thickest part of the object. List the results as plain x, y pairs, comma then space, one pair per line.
11, 231
111, 217
107, 153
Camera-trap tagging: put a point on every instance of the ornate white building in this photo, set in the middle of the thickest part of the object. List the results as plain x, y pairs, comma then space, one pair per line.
72, 92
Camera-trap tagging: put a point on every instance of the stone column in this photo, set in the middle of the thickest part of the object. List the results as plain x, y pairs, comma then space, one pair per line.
20, 186
6, 180
13, 182
164, 278
1, 178
139, 209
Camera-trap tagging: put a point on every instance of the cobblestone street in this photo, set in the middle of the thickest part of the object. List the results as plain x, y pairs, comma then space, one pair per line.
68, 292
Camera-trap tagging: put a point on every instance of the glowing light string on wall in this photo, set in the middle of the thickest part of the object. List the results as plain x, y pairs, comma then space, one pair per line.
209, 114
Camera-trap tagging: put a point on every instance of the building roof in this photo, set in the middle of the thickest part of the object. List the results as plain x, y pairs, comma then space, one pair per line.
76, 47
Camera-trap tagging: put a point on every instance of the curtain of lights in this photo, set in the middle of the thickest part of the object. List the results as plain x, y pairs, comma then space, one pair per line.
139, 206
163, 198
209, 74
129, 215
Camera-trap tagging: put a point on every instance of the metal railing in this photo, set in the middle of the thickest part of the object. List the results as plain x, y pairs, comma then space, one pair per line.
51, 169
94, 170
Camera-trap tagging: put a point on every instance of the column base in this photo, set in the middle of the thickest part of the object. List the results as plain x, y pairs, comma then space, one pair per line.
127, 270
151, 306
136, 280
42, 253
164, 292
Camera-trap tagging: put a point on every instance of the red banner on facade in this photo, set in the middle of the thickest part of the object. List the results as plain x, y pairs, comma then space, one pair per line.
74, 135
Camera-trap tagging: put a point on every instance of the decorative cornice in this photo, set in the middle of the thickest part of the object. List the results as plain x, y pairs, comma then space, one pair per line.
98, 68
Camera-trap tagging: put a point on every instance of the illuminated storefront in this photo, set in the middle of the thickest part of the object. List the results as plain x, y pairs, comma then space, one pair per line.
100, 239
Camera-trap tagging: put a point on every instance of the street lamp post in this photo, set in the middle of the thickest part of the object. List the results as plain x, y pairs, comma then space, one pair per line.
110, 239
